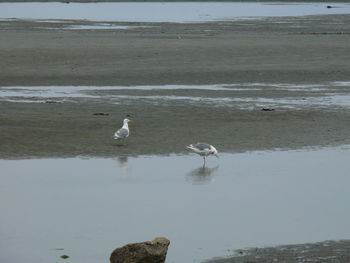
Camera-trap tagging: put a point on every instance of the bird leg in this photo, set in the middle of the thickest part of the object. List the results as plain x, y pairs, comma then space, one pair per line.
204, 161
120, 142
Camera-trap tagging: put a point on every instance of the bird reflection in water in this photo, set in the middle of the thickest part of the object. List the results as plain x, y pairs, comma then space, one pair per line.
202, 175
123, 164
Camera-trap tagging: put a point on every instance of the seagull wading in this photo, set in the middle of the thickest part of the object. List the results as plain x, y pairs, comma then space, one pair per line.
203, 149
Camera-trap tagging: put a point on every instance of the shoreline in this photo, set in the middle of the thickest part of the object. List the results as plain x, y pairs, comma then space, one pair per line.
171, 1
322, 252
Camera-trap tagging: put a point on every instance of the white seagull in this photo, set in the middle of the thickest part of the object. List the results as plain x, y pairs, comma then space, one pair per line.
203, 149
123, 132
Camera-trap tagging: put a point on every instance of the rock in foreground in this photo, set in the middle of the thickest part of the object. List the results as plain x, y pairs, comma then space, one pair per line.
144, 252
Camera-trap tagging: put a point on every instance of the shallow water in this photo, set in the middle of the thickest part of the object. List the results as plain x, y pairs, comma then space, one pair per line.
243, 96
100, 26
87, 207
165, 12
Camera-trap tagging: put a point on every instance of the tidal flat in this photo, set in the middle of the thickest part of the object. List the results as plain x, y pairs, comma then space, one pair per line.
272, 94
58, 121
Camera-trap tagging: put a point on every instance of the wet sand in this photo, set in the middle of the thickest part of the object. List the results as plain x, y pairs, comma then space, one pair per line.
272, 50
72, 129
300, 49
327, 251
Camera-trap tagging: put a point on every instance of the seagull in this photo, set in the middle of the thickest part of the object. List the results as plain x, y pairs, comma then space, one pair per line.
123, 132
203, 149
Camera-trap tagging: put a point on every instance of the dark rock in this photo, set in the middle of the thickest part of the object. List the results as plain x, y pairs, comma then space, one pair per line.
101, 114
144, 252
267, 109
64, 256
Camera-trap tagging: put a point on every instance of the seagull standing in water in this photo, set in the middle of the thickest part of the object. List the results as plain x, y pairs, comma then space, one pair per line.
123, 132
203, 149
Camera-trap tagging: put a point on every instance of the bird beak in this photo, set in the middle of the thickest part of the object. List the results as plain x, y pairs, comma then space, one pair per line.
130, 121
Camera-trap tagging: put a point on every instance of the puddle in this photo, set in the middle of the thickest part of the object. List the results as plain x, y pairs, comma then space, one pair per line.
97, 27
88, 207
164, 12
93, 27
242, 96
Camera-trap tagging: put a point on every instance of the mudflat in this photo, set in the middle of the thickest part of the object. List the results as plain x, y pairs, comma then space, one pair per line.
327, 251
297, 50
289, 49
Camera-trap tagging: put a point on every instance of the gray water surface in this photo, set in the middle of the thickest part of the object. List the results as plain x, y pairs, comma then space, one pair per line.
165, 12
327, 95
85, 208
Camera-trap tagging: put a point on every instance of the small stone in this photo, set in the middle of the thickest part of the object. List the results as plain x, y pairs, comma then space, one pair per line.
64, 256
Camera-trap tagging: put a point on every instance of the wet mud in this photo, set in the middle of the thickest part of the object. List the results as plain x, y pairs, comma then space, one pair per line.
322, 252
84, 127
289, 49
272, 50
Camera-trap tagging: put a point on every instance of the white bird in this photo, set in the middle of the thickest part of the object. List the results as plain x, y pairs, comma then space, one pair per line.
203, 149
123, 132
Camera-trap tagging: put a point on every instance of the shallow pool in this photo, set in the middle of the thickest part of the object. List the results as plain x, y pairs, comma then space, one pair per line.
165, 12
248, 96
85, 208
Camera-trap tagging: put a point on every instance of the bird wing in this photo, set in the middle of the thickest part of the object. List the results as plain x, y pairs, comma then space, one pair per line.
121, 133
202, 146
